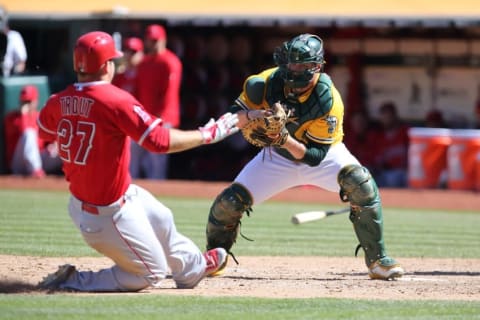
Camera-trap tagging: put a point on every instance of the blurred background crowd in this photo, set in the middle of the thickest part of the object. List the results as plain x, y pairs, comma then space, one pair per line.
393, 75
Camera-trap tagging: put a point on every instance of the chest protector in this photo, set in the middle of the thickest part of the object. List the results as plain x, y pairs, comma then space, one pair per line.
316, 105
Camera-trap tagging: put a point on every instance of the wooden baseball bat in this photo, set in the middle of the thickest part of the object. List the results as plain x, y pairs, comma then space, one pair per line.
309, 216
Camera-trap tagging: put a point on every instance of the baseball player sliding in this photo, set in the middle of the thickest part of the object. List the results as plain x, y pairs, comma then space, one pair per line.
93, 121
306, 150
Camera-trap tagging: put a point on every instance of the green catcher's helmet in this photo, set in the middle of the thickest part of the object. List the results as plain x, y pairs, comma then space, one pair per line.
305, 48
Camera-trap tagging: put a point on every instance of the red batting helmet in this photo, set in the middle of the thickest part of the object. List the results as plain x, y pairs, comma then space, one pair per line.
92, 50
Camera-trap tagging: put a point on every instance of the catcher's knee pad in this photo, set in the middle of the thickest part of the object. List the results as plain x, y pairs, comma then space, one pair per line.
225, 214
359, 188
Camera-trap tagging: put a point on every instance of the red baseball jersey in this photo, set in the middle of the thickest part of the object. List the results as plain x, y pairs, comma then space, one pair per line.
158, 83
392, 148
126, 80
15, 124
92, 123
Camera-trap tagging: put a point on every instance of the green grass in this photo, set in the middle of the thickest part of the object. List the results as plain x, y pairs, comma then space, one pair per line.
37, 223
171, 307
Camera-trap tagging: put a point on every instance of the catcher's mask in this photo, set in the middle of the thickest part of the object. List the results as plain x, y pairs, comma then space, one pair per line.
304, 49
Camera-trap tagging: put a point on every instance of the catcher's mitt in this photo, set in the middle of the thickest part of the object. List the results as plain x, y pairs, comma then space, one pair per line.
268, 130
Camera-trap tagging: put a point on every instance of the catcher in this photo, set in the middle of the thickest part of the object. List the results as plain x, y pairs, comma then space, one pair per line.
295, 113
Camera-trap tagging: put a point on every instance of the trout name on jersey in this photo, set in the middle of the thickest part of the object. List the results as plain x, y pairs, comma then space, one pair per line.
74, 105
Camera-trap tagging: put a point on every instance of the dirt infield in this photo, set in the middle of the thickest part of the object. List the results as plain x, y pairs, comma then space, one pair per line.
285, 277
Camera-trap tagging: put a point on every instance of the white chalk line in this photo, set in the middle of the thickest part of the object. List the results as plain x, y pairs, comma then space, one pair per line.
418, 279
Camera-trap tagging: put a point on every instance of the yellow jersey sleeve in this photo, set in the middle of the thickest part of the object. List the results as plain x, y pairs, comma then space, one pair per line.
253, 94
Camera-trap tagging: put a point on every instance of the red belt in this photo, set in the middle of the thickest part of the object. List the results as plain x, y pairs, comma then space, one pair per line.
90, 208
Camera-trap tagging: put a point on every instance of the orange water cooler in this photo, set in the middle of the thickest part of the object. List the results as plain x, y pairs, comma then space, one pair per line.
464, 160
477, 173
427, 157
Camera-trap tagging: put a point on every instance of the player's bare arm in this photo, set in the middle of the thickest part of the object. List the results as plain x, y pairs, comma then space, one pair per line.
212, 132
183, 140
295, 148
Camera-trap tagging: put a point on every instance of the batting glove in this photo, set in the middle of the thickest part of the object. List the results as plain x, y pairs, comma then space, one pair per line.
214, 131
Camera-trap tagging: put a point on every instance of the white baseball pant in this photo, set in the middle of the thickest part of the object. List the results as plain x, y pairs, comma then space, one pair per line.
139, 234
268, 173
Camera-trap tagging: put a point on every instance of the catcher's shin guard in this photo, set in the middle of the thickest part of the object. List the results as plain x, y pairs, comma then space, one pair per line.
359, 188
225, 214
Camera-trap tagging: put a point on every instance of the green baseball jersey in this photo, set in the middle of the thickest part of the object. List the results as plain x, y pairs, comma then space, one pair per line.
317, 114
